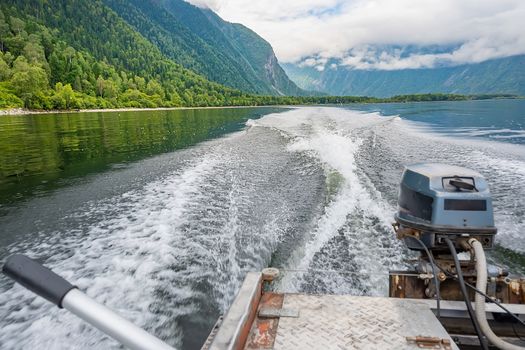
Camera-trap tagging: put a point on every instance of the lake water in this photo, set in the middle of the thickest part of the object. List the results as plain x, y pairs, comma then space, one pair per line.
497, 120
160, 214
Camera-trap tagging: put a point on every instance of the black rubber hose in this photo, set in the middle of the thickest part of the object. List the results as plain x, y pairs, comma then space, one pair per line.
463, 288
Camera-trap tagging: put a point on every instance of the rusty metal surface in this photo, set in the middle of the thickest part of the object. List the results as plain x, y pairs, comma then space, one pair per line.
401, 285
406, 284
350, 322
430, 342
516, 290
263, 331
258, 320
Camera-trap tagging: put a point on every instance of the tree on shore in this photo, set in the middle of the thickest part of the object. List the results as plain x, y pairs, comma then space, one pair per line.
29, 82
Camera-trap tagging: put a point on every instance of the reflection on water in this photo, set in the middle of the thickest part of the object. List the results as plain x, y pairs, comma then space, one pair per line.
37, 152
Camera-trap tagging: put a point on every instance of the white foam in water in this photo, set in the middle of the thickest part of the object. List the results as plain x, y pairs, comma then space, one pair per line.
324, 134
470, 132
163, 250
119, 267
176, 247
508, 177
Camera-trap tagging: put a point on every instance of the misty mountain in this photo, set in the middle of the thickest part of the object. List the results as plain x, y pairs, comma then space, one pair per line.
505, 75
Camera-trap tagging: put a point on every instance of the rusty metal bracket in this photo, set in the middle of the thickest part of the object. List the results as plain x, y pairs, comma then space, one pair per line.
430, 342
276, 313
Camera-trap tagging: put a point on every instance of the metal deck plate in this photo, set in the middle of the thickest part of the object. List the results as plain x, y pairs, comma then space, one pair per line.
272, 313
350, 322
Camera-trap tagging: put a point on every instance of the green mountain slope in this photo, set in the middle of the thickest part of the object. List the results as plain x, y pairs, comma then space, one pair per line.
505, 75
87, 45
138, 53
242, 48
258, 52
180, 44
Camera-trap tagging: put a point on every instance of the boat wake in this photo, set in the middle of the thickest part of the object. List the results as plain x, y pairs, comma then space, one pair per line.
311, 191
351, 247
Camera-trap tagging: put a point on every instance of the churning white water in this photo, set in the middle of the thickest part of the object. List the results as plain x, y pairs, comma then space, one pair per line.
167, 241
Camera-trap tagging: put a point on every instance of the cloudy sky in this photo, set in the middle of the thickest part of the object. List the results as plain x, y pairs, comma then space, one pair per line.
382, 34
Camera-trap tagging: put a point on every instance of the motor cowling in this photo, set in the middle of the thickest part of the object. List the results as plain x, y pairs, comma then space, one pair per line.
439, 200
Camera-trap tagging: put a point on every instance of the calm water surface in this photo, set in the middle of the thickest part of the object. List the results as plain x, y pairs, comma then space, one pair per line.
497, 120
159, 215
41, 152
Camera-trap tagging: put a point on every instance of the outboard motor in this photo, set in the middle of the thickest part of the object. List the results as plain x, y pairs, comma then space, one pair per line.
438, 201
444, 209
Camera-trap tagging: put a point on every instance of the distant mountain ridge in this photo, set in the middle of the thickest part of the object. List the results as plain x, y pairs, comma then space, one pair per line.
504, 75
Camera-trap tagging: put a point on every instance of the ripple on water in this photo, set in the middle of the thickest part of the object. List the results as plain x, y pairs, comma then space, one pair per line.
311, 190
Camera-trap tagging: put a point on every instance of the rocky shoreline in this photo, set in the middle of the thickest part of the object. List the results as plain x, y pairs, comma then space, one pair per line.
23, 111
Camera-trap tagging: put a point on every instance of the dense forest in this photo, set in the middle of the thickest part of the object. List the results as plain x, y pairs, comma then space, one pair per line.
54, 55
198, 39
39, 70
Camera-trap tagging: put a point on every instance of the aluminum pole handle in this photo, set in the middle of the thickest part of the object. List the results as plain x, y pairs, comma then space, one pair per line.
47, 284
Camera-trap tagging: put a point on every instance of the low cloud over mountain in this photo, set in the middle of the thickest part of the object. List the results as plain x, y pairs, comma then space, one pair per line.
374, 34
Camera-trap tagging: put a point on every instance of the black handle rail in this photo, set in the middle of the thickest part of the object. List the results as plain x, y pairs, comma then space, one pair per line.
37, 278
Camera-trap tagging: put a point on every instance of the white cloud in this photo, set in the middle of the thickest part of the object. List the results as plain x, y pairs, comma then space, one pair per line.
214, 5
355, 32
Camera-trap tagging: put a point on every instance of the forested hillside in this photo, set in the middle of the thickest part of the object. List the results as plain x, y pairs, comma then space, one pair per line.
201, 41
82, 54
259, 53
